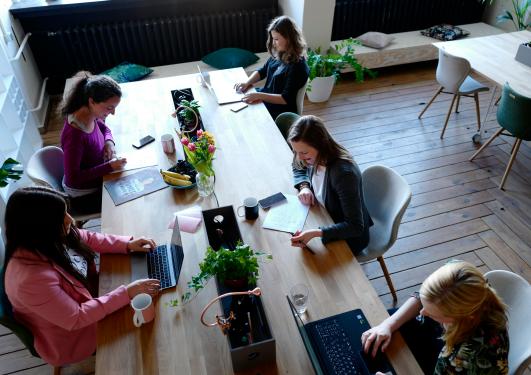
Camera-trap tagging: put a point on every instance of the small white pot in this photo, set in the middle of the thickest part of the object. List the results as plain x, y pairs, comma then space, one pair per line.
321, 89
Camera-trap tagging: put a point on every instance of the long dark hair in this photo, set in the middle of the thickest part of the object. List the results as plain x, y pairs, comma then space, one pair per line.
312, 131
34, 221
286, 27
98, 87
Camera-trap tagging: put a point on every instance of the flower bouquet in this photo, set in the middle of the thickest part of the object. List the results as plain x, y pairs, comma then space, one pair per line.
199, 152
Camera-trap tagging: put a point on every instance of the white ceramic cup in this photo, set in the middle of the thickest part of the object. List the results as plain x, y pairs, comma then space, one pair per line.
168, 145
144, 310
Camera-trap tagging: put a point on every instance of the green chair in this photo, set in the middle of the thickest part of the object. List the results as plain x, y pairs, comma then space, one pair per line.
8, 320
514, 114
284, 122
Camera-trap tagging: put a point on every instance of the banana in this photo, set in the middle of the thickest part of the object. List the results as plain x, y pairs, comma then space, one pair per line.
175, 181
175, 175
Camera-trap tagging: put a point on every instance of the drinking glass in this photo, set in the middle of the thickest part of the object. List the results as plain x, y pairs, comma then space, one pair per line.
299, 297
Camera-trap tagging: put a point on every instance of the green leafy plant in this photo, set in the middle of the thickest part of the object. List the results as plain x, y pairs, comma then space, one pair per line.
225, 264
189, 111
520, 17
331, 63
10, 170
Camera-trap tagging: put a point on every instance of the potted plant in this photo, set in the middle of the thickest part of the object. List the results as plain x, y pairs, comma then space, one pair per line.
10, 170
521, 16
523, 54
237, 269
325, 69
187, 113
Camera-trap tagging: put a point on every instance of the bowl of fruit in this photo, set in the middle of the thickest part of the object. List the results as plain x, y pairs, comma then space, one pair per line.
180, 176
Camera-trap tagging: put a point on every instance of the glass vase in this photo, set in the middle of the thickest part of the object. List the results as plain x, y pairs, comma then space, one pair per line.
205, 184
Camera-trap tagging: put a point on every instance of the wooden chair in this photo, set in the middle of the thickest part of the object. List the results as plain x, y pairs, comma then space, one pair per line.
514, 116
453, 76
387, 195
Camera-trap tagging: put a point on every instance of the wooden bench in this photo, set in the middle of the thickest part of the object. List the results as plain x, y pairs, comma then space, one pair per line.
410, 47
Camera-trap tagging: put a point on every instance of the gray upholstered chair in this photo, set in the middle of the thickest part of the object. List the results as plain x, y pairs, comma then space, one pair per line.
387, 195
515, 291
300, 98
453, 76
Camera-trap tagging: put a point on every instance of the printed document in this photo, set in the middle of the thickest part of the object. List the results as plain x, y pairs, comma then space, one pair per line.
289, 216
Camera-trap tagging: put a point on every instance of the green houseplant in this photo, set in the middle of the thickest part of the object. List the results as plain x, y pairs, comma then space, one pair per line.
520, 17
10, 170
325, 69
236, 268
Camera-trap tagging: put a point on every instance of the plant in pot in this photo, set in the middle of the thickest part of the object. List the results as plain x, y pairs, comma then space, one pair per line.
237, 269
325, 69
188, 114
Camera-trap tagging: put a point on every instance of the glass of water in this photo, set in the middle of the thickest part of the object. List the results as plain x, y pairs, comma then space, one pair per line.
299, 297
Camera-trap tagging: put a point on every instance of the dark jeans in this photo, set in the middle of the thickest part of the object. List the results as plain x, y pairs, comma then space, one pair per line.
86, 204
423, 339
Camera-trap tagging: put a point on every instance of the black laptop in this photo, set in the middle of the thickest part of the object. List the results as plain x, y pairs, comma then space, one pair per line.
334, 344
163, 263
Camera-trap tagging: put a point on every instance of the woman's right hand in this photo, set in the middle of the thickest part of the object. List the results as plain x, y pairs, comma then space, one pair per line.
118, 163
149, 286
306, 196
242, 87
378, 337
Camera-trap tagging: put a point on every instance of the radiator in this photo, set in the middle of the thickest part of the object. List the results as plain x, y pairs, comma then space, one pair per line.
150, 42
355, 17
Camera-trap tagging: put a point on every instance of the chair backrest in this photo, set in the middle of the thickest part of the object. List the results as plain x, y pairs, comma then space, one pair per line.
8, 320
515, 291
46, 167
451, 71
300, 98
514, 113
284, 122
386, 195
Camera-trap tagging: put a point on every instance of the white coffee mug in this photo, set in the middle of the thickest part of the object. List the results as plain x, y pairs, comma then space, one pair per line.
144, 310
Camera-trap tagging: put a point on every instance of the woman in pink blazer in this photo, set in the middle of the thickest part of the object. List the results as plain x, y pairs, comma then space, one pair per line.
51, 277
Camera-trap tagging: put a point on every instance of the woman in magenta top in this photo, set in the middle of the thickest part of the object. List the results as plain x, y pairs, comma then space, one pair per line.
51, 278
86, 141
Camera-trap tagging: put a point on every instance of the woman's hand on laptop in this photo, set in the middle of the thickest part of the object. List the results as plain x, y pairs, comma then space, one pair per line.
377, 337
252, 98
141, 245
242, 87
149, 286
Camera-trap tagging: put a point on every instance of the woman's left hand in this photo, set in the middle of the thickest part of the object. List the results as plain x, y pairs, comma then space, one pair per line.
141, 245
109, 151
300, 239
252, 98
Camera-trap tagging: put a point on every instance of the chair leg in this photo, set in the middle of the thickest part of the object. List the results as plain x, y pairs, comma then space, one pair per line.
486, 144
476, 99
448, 116
457, 104
388, 279
511, 161
56, 370
431, 101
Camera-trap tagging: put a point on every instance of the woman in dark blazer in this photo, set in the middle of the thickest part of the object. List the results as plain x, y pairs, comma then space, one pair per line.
325, 173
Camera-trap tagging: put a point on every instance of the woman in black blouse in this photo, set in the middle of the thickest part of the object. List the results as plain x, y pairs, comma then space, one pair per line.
286, 71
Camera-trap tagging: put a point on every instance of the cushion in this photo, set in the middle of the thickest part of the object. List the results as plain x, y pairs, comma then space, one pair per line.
226, 58
375, 39
127, 72
445, 32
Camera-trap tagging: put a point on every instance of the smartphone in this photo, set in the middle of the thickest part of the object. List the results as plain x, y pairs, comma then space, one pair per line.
238, 107
271, 200
143, 141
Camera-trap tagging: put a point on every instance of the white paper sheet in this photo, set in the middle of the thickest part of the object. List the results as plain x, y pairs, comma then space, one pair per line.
289, 216
138, 159
189, 219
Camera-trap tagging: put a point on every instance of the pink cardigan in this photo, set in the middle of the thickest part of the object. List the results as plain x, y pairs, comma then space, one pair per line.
56, 307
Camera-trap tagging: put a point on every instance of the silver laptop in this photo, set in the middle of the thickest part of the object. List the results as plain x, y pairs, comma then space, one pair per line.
221, 86
164, 263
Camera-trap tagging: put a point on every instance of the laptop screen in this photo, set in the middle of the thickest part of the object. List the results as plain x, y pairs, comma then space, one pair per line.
306, 339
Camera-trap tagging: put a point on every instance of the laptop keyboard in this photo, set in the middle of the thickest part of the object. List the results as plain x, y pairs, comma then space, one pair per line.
158, 266
342, 357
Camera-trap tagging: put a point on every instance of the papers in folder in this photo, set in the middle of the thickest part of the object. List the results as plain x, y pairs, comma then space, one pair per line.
289, 216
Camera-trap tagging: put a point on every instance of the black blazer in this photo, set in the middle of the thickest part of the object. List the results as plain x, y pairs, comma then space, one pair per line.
343, 199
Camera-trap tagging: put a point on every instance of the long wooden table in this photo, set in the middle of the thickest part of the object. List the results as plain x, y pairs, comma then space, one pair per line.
252, 160
493, 57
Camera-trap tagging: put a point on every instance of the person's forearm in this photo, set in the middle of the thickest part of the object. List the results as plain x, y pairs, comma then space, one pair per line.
272, 98
255, 77
406, 312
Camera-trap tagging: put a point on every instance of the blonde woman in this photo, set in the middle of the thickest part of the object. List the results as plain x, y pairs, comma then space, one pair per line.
472, 317
286, 71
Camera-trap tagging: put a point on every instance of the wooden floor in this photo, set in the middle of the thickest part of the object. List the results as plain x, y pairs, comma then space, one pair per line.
456, 212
